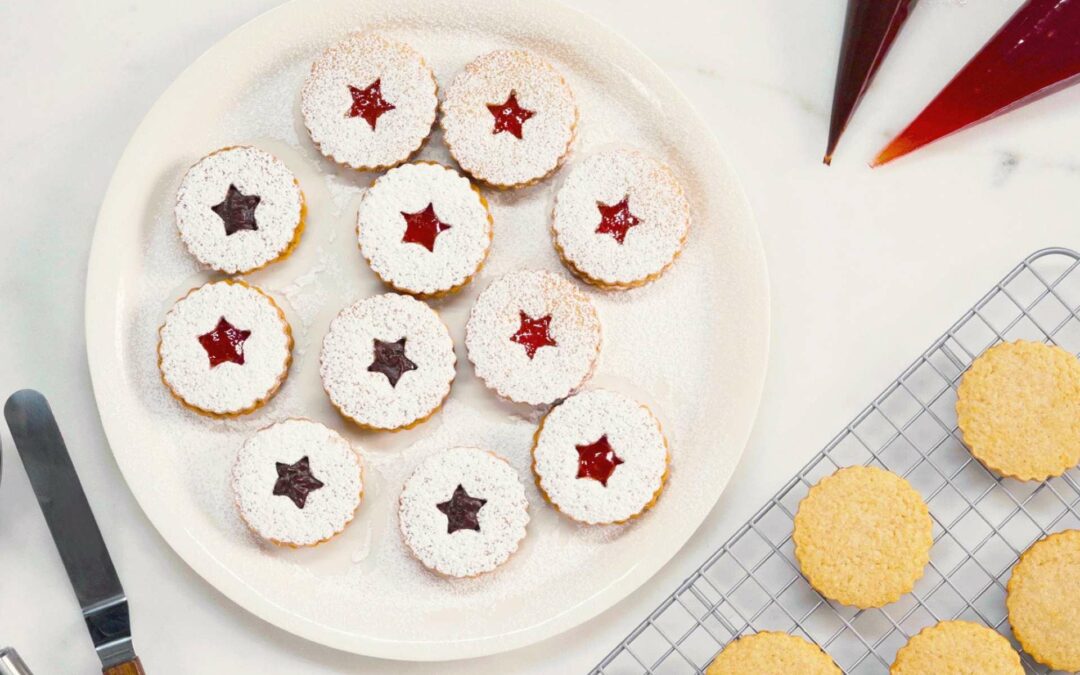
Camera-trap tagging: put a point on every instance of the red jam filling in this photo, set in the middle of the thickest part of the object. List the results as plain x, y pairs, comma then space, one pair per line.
534, 334
369, 103
237, 211
597, 460
296, 481
509, 116
423, 228
462, 511
225, 343
390, 360
1036, 53
616, 219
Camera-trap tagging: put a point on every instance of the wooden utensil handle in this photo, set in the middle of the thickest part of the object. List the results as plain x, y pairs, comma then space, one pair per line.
132, 667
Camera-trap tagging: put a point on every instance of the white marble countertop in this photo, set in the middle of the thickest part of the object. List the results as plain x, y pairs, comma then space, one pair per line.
867, 267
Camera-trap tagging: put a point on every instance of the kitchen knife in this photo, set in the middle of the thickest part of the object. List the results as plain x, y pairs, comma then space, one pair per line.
74, 530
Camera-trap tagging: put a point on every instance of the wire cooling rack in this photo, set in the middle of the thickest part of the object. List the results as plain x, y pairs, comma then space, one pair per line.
981, 522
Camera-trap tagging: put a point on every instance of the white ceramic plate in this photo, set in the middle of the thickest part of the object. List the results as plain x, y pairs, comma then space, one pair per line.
693, 345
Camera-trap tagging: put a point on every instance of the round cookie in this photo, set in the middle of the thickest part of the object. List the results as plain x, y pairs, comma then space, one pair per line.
771, 653
424, 229
509, 118
533, 337
239, 209
224, 349
463, 512
600, 457
1018, 407
387, 362
957, 648
863, 536
1041, 599
369, 103
620, 219
297, 483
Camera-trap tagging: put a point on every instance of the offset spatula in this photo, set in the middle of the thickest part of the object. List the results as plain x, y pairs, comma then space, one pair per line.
73, 528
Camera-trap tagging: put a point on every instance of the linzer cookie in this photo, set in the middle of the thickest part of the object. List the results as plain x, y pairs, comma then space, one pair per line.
620, 219
533, 337
1018, 407
424, 229
239, 209
863, 536
463, 512
297, 483
224, 349
600, 457
387, 362
509, 118
1041, 598
957, 648
771, 653
369, 103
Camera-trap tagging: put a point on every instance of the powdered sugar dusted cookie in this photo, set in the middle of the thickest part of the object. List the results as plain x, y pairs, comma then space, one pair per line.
297, 483
424, 229
239, 209
509, 118
224, 348
463, 512
369, 102
600, 457
533, 337
620, 219
387, 362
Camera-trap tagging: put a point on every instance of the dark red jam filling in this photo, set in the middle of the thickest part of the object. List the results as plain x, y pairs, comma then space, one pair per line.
369, 103
237, 211
534, 333
597, 460
390, 360
296, 481
423, 227
462, 511
616, 219
509, 116
225, 343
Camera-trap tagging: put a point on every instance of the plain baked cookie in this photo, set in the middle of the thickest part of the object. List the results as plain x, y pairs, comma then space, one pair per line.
863, 536
1018, 407
1043, 599
769, 653
957, 648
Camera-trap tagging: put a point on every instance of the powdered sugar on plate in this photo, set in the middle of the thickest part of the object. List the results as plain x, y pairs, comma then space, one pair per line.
459, 244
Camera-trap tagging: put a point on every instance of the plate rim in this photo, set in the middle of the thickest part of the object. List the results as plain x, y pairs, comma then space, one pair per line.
102, 286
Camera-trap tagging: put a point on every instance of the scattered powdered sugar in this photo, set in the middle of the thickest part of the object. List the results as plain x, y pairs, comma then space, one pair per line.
327, 510
553, 371
367, 397
502, 519
405, 81
503, 159
634, 435
227, 387
253, 172
653, 196
407, 266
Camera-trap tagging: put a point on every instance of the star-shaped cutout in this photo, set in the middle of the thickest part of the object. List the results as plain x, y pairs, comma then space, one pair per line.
509, 116
616, 219
225, 343
390, 360
423, 227
237, 211
369, 103
597, 460
462, 511
534, 333
296, 481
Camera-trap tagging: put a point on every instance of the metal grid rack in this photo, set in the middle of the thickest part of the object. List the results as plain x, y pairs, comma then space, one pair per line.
981, 522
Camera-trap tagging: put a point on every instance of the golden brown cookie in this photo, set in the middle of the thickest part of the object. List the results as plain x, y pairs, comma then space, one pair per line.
1018, 407
957, 648
1043, 599
863, 536
769, 653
